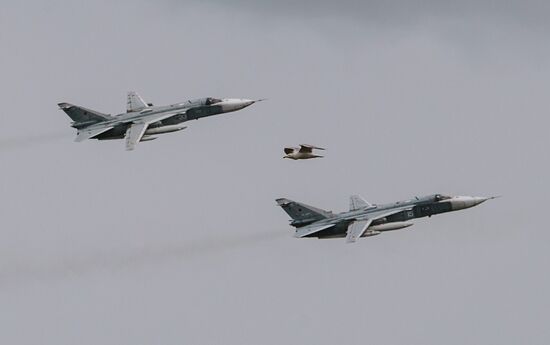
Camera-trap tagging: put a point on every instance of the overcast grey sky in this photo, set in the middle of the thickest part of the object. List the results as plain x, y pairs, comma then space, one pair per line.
181, 241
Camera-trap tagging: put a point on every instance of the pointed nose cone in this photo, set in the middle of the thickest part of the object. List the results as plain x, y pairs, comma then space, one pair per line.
247, 102
462, 202
479, 199
234, 104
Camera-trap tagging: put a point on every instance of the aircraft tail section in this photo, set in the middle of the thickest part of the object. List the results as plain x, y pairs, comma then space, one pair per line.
81, 116
302, 214
134, 102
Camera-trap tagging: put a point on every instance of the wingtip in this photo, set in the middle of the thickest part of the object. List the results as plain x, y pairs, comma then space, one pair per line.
282, 201
313, 146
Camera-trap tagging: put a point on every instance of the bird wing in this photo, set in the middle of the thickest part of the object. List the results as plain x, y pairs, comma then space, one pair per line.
304, 148
289, 150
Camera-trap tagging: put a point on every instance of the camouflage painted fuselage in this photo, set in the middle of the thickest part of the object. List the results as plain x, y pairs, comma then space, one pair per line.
421, 207
314, 222
190, 110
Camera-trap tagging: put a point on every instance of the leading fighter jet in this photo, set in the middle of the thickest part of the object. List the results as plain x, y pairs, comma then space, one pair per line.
364, 219
143, 120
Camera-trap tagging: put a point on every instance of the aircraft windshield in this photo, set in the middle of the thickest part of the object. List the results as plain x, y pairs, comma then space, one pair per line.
210, 101
439, 197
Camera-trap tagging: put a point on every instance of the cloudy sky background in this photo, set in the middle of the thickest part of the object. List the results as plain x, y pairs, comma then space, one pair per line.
181, 241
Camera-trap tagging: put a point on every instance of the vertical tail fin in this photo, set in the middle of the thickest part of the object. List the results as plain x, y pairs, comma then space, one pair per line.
356, 203
302, 214
134, 102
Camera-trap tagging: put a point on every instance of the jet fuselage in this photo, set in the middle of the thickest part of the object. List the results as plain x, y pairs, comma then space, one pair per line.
384, 217
184, 111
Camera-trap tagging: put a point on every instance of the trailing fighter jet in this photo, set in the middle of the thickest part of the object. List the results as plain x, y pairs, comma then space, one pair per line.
303, 152
364, 219
142, 121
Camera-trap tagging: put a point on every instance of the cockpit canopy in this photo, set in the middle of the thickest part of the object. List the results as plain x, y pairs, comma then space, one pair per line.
211, 100
439, 197
201, 101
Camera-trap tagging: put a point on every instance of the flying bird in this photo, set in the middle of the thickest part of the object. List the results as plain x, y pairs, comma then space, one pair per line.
303, 152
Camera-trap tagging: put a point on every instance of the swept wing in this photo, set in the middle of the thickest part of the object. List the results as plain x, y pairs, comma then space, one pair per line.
357, 229
359, 226
137, 127
134, 133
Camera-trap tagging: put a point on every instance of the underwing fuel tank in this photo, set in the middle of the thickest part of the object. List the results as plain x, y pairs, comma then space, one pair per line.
370, 232
145, 138
389, 226
164, 129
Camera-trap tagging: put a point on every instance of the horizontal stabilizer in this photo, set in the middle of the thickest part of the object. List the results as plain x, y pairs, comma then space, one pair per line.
83, 116
302, 214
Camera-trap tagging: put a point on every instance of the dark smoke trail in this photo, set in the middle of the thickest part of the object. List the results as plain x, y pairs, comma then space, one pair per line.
31, 140
98, 262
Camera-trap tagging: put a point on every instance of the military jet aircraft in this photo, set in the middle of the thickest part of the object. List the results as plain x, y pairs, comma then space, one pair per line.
303, 152
142, 121
364, 219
